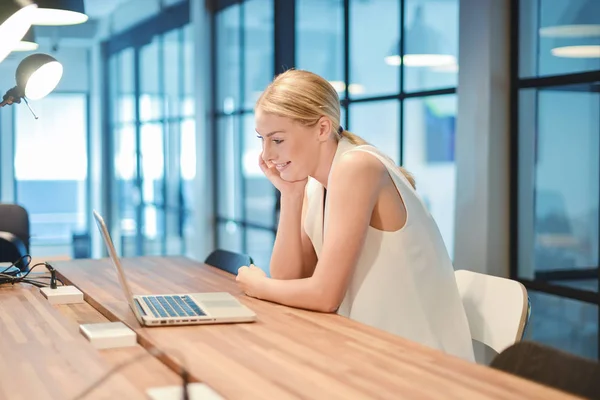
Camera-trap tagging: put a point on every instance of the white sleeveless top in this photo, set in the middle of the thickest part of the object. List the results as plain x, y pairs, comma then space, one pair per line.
404, 280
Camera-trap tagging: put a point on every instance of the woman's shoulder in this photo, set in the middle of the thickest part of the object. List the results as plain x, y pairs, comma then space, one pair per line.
359, 160
356, 171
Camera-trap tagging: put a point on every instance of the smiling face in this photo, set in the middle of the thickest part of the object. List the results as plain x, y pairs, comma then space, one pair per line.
293, 148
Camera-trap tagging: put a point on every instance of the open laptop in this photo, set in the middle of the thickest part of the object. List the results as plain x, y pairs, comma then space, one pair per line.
176, 309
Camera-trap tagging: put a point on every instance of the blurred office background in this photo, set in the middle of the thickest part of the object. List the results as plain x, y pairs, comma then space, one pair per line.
493, 105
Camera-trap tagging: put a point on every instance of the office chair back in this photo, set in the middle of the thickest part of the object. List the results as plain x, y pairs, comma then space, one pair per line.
551, 367
14, 222
497, 310
228, 260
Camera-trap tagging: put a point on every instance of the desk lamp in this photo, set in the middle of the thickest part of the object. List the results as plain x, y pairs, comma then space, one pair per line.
15, 20
37, 75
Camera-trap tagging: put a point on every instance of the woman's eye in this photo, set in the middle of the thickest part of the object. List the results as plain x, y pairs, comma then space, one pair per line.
260, 137
277, 141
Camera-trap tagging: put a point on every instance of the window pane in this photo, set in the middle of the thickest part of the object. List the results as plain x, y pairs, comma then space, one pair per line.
565, 324
229, 204
188, 162
122, 87
189, 72
126, 192
260, 246
153, 230
258, 49
151, 107
429, 132
229, 236
374, 30
378, 123
558, 209
175, 225
260, 193
320, 39
172, 72
431, 45
53, 192
228, 59
559, 37
153, 163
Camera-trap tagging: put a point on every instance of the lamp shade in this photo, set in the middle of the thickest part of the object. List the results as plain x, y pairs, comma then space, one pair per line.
422, 46
37, 75
15, 20
28, 42
59, 12
577, 32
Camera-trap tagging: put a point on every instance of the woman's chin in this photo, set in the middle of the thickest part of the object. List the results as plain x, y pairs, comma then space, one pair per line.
291, 177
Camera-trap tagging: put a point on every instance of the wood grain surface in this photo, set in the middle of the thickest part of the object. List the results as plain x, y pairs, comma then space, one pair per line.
43, 356
146, 373
287, 353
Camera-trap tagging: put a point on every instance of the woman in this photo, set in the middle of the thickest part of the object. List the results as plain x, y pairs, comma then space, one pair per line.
353, 236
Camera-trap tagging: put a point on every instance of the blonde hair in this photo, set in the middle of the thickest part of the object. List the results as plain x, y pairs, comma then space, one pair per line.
305, 97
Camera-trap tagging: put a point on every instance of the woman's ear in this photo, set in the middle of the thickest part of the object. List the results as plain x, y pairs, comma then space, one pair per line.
325, 128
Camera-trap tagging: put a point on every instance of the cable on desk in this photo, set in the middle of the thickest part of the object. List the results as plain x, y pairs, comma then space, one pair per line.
12, 279
14, 264
183, 373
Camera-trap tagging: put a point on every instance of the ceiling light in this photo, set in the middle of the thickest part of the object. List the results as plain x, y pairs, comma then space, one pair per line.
589, 51
59, 12
422, 46
446, 68
578, 20
353, 88
27, 43
14, 23
422, 60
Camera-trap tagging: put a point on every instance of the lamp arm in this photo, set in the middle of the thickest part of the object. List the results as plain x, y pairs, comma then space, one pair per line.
10, 97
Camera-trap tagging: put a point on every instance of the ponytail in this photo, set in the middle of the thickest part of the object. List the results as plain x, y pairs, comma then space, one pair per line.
352, 138
357, 140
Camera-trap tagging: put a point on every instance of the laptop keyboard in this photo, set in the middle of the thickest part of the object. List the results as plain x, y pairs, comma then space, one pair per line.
172, 306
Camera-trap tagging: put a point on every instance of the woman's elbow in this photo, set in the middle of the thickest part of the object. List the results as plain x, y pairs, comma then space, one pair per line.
328, 302
328, 308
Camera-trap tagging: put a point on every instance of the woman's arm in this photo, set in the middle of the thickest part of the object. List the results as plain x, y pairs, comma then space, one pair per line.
354, 188
293, 255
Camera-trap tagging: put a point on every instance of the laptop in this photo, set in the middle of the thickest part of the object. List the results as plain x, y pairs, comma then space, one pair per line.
176, 309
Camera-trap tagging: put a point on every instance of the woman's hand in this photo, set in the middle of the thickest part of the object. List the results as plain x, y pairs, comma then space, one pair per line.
249, 279
286, 188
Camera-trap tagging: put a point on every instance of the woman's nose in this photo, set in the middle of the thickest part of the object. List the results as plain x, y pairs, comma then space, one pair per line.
266, 153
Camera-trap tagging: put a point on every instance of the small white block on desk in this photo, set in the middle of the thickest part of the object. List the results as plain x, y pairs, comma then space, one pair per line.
109, 335
62, 295
197, 391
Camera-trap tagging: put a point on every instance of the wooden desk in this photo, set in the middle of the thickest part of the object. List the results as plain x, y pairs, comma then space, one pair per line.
146, 373
43, 356
288, 353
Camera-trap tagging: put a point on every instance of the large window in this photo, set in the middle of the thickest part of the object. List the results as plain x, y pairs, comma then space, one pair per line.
394, 65
51, 172
245, 207
152, 134
395, 69
556, 131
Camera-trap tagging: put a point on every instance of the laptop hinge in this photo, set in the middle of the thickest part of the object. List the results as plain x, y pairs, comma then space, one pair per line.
139, 307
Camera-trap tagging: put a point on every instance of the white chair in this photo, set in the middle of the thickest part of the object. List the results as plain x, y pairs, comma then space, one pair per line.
497, 310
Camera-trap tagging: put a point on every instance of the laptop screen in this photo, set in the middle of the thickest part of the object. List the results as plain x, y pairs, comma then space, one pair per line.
115, 261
